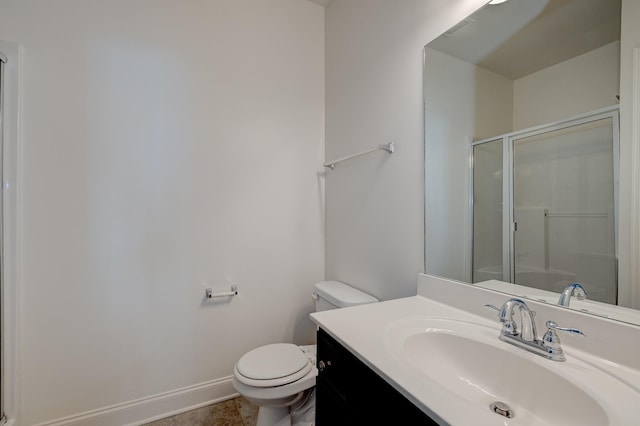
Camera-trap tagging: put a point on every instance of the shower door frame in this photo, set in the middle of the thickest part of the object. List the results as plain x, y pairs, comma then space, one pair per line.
508, 221
3, 60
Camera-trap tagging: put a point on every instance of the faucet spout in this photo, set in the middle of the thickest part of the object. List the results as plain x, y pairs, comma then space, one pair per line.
574, 289
527, 330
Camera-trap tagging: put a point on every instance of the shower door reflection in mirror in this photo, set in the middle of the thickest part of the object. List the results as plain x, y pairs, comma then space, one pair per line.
488, 215
553, 215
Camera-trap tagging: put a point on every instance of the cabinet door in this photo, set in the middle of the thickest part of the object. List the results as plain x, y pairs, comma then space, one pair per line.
374, 401
348, 392
332, 365
330, 409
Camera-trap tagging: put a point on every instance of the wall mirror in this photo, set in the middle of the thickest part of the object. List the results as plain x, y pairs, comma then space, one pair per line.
522, 152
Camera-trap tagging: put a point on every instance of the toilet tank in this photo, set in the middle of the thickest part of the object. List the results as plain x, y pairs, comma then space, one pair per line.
336, 294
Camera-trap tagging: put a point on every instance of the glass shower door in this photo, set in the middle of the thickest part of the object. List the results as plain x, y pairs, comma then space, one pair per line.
564, 195
487, 214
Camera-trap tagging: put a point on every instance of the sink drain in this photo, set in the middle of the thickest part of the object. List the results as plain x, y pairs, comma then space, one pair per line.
501, 408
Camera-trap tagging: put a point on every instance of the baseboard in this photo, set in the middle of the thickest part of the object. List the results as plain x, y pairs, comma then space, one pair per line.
144, 410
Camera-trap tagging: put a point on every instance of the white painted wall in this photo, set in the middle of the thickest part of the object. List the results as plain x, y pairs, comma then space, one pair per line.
168, 147
374, 204
463, 103
578, 85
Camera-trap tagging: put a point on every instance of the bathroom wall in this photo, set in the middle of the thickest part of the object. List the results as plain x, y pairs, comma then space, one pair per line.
581, 84
375, 204
167, 147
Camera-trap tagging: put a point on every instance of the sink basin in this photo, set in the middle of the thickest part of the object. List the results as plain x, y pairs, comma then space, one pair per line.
476, 369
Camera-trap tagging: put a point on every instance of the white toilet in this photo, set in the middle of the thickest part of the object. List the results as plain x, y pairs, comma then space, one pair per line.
281, 378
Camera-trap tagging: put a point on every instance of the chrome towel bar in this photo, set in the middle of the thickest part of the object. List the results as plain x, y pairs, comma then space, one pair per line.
389, 147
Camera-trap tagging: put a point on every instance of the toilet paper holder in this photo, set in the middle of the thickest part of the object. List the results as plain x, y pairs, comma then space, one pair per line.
211, 295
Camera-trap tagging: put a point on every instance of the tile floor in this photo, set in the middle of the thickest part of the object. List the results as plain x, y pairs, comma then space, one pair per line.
234, 412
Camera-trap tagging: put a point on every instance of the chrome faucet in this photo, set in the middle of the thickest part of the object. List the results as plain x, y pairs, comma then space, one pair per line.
524, 335
509, 325
574, 289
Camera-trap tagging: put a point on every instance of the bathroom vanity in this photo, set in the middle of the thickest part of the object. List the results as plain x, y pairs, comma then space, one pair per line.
349, 392
436, 358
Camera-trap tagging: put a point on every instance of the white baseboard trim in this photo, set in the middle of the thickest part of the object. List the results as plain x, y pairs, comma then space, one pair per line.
155, 407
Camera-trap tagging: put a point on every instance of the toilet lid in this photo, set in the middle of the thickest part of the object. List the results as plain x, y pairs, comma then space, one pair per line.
273, 365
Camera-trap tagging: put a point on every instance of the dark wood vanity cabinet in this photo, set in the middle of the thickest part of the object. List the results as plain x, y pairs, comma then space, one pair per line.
350, 393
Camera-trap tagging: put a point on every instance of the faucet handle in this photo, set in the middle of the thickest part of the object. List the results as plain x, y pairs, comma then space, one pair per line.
508, 324
551, 341
552, 325
494, 307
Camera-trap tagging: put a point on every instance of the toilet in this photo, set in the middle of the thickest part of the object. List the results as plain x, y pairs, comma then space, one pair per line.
280, 378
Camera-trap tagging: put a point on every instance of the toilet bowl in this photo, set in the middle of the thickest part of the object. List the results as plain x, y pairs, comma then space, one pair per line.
280, 378
277, 378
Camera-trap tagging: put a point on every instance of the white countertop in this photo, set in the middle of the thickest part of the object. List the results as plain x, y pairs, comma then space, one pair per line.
361, 329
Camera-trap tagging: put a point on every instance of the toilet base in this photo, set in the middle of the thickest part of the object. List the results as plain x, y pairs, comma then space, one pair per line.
304, 412
273, 416
301, 413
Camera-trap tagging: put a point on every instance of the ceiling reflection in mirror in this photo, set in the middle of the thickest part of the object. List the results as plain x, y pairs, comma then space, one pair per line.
521, 152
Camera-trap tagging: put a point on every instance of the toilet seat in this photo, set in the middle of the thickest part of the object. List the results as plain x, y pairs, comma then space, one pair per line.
272, 365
